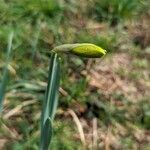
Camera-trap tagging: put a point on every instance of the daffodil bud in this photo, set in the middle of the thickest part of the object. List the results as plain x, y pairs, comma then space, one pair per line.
84, 50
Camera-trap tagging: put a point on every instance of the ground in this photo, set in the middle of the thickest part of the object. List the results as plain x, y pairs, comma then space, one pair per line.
104, 103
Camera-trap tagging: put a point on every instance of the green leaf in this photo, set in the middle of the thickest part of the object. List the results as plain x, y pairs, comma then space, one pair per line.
5, 73
51, 98
46, 134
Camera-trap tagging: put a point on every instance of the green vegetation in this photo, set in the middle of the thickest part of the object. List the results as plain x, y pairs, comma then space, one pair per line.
5, 77
109, 97
50, 102
116, 10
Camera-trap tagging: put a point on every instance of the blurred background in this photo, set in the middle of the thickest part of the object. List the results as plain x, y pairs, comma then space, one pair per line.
108, 98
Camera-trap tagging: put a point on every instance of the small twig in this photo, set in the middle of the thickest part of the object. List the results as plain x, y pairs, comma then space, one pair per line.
18, 108
63, 92
95, 135
107, 140
79, 126
11, 134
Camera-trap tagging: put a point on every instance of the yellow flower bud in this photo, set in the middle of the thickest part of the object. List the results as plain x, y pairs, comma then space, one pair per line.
84, 50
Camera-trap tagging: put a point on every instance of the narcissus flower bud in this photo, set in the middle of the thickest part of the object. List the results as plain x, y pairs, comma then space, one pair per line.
82, 49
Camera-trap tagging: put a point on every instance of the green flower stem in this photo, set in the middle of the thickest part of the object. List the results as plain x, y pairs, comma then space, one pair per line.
50, 102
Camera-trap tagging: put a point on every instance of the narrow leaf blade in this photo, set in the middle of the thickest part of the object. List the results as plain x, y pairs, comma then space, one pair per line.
5, 77
46, 134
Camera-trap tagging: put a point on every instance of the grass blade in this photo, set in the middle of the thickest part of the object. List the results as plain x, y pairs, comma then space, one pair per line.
6, 72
